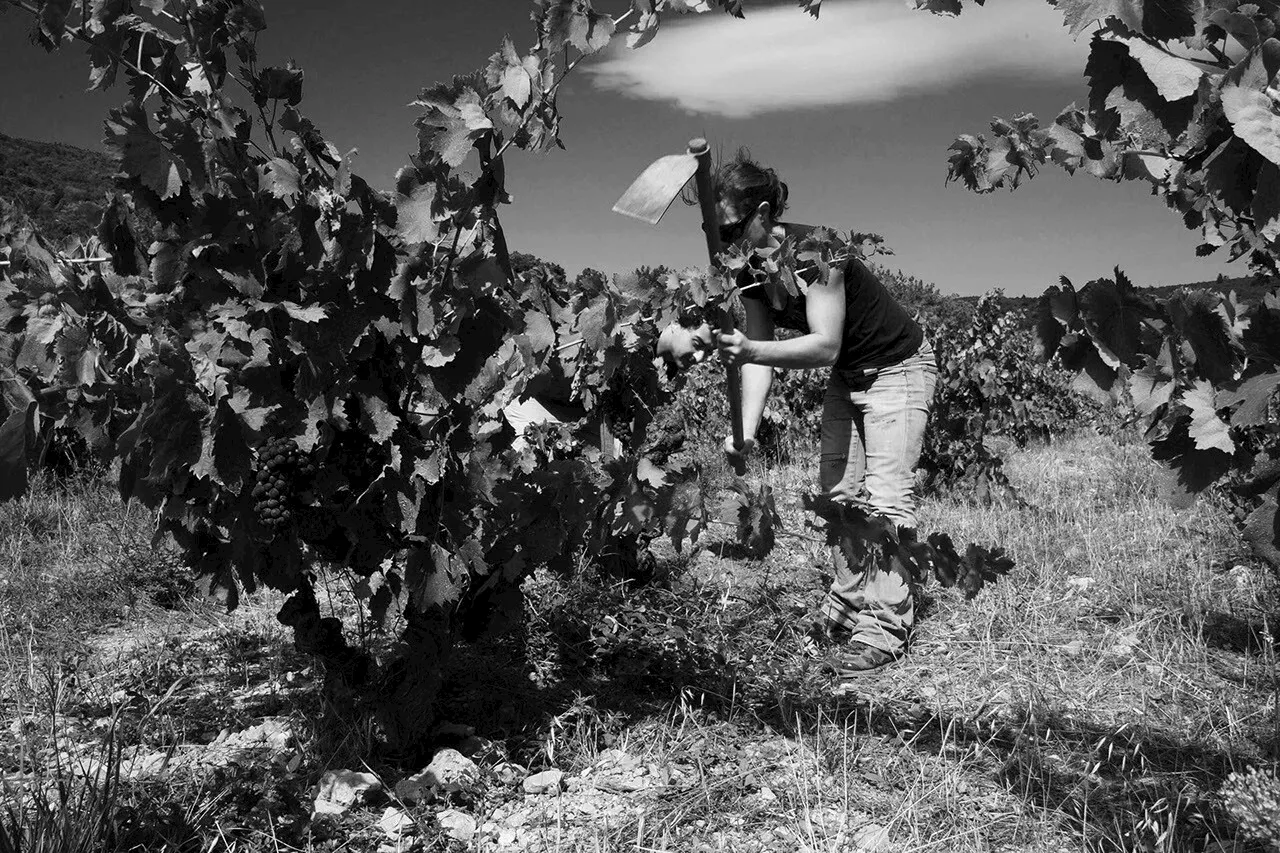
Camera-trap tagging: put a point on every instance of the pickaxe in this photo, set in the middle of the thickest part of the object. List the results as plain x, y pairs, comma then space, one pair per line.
648, 198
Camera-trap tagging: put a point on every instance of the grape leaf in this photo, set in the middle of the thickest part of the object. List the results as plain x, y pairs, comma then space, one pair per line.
983, 566
1077, 144
440, 352
415, 208
52, 22
302, 313
687, 517
1161, 19
1145, 115
282, 179
253, 416
967, 163
650, 474
1239, 25
1115, 314
1107, 67
871, 539
539, 331
1255, 394
114, 232
168, 266
1056, 314
518, 79
70, 347
516, 85
1143, 166
37, 346
1207, 429
140, 153
280, 84
1262, 530
1262, 338
1173, 77
454, 120
1153, 385
596, 323
377, 421
754, 515
643, 31
13, 452
1230, 173
224, 453
1067, 146
1195, 315
1266, 202
1247, 106
950, 8
576, 23
429, 468
1015, 150
1193, 470
1262, 477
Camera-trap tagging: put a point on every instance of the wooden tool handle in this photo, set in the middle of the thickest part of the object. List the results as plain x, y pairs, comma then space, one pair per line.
711, 229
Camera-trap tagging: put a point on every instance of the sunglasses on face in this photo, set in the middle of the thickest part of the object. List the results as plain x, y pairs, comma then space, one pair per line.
734, 230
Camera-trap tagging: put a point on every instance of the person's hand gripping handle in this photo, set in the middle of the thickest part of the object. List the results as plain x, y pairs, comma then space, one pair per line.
711, 229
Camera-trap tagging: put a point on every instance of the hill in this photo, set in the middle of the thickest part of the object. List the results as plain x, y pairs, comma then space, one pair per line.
63, 188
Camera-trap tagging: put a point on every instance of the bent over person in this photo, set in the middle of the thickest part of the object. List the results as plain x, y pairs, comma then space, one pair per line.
876, 406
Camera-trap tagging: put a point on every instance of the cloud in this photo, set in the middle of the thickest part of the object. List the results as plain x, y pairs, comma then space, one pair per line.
858, 52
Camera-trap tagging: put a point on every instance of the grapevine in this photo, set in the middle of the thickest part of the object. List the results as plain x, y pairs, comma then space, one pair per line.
1201, 372
292, 316
1182, 96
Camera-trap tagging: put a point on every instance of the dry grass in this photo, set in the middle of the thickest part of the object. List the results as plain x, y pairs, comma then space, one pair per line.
1096, 699
1110, 684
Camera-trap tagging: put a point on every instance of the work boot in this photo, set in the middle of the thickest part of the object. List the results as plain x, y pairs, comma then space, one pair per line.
856, 658
824, 635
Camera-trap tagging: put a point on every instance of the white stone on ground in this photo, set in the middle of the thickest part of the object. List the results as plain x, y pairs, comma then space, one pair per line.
340, 790
546, 782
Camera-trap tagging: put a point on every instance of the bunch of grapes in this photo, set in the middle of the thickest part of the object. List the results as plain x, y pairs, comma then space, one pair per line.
282, 467
619, 406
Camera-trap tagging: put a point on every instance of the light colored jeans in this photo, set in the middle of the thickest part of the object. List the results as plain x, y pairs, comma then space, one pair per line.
872, 431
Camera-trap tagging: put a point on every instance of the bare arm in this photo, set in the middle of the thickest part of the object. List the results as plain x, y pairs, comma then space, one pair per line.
824, 309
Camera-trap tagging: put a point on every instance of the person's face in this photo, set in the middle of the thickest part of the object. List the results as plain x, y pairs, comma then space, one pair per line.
747, 228
685, 347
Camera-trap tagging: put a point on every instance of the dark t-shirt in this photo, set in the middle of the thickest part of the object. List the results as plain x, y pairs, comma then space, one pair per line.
878, 332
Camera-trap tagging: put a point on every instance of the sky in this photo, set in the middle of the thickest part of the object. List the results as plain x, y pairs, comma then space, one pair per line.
854, 110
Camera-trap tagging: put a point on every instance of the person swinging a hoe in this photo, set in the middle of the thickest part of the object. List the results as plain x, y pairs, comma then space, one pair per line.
876, 406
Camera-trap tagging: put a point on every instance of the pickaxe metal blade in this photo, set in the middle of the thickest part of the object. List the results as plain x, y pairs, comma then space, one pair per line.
649, 195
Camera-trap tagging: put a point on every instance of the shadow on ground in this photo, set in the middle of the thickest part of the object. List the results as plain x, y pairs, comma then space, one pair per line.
638, 653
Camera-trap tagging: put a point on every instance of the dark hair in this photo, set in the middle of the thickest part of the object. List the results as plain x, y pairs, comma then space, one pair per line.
745, 184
